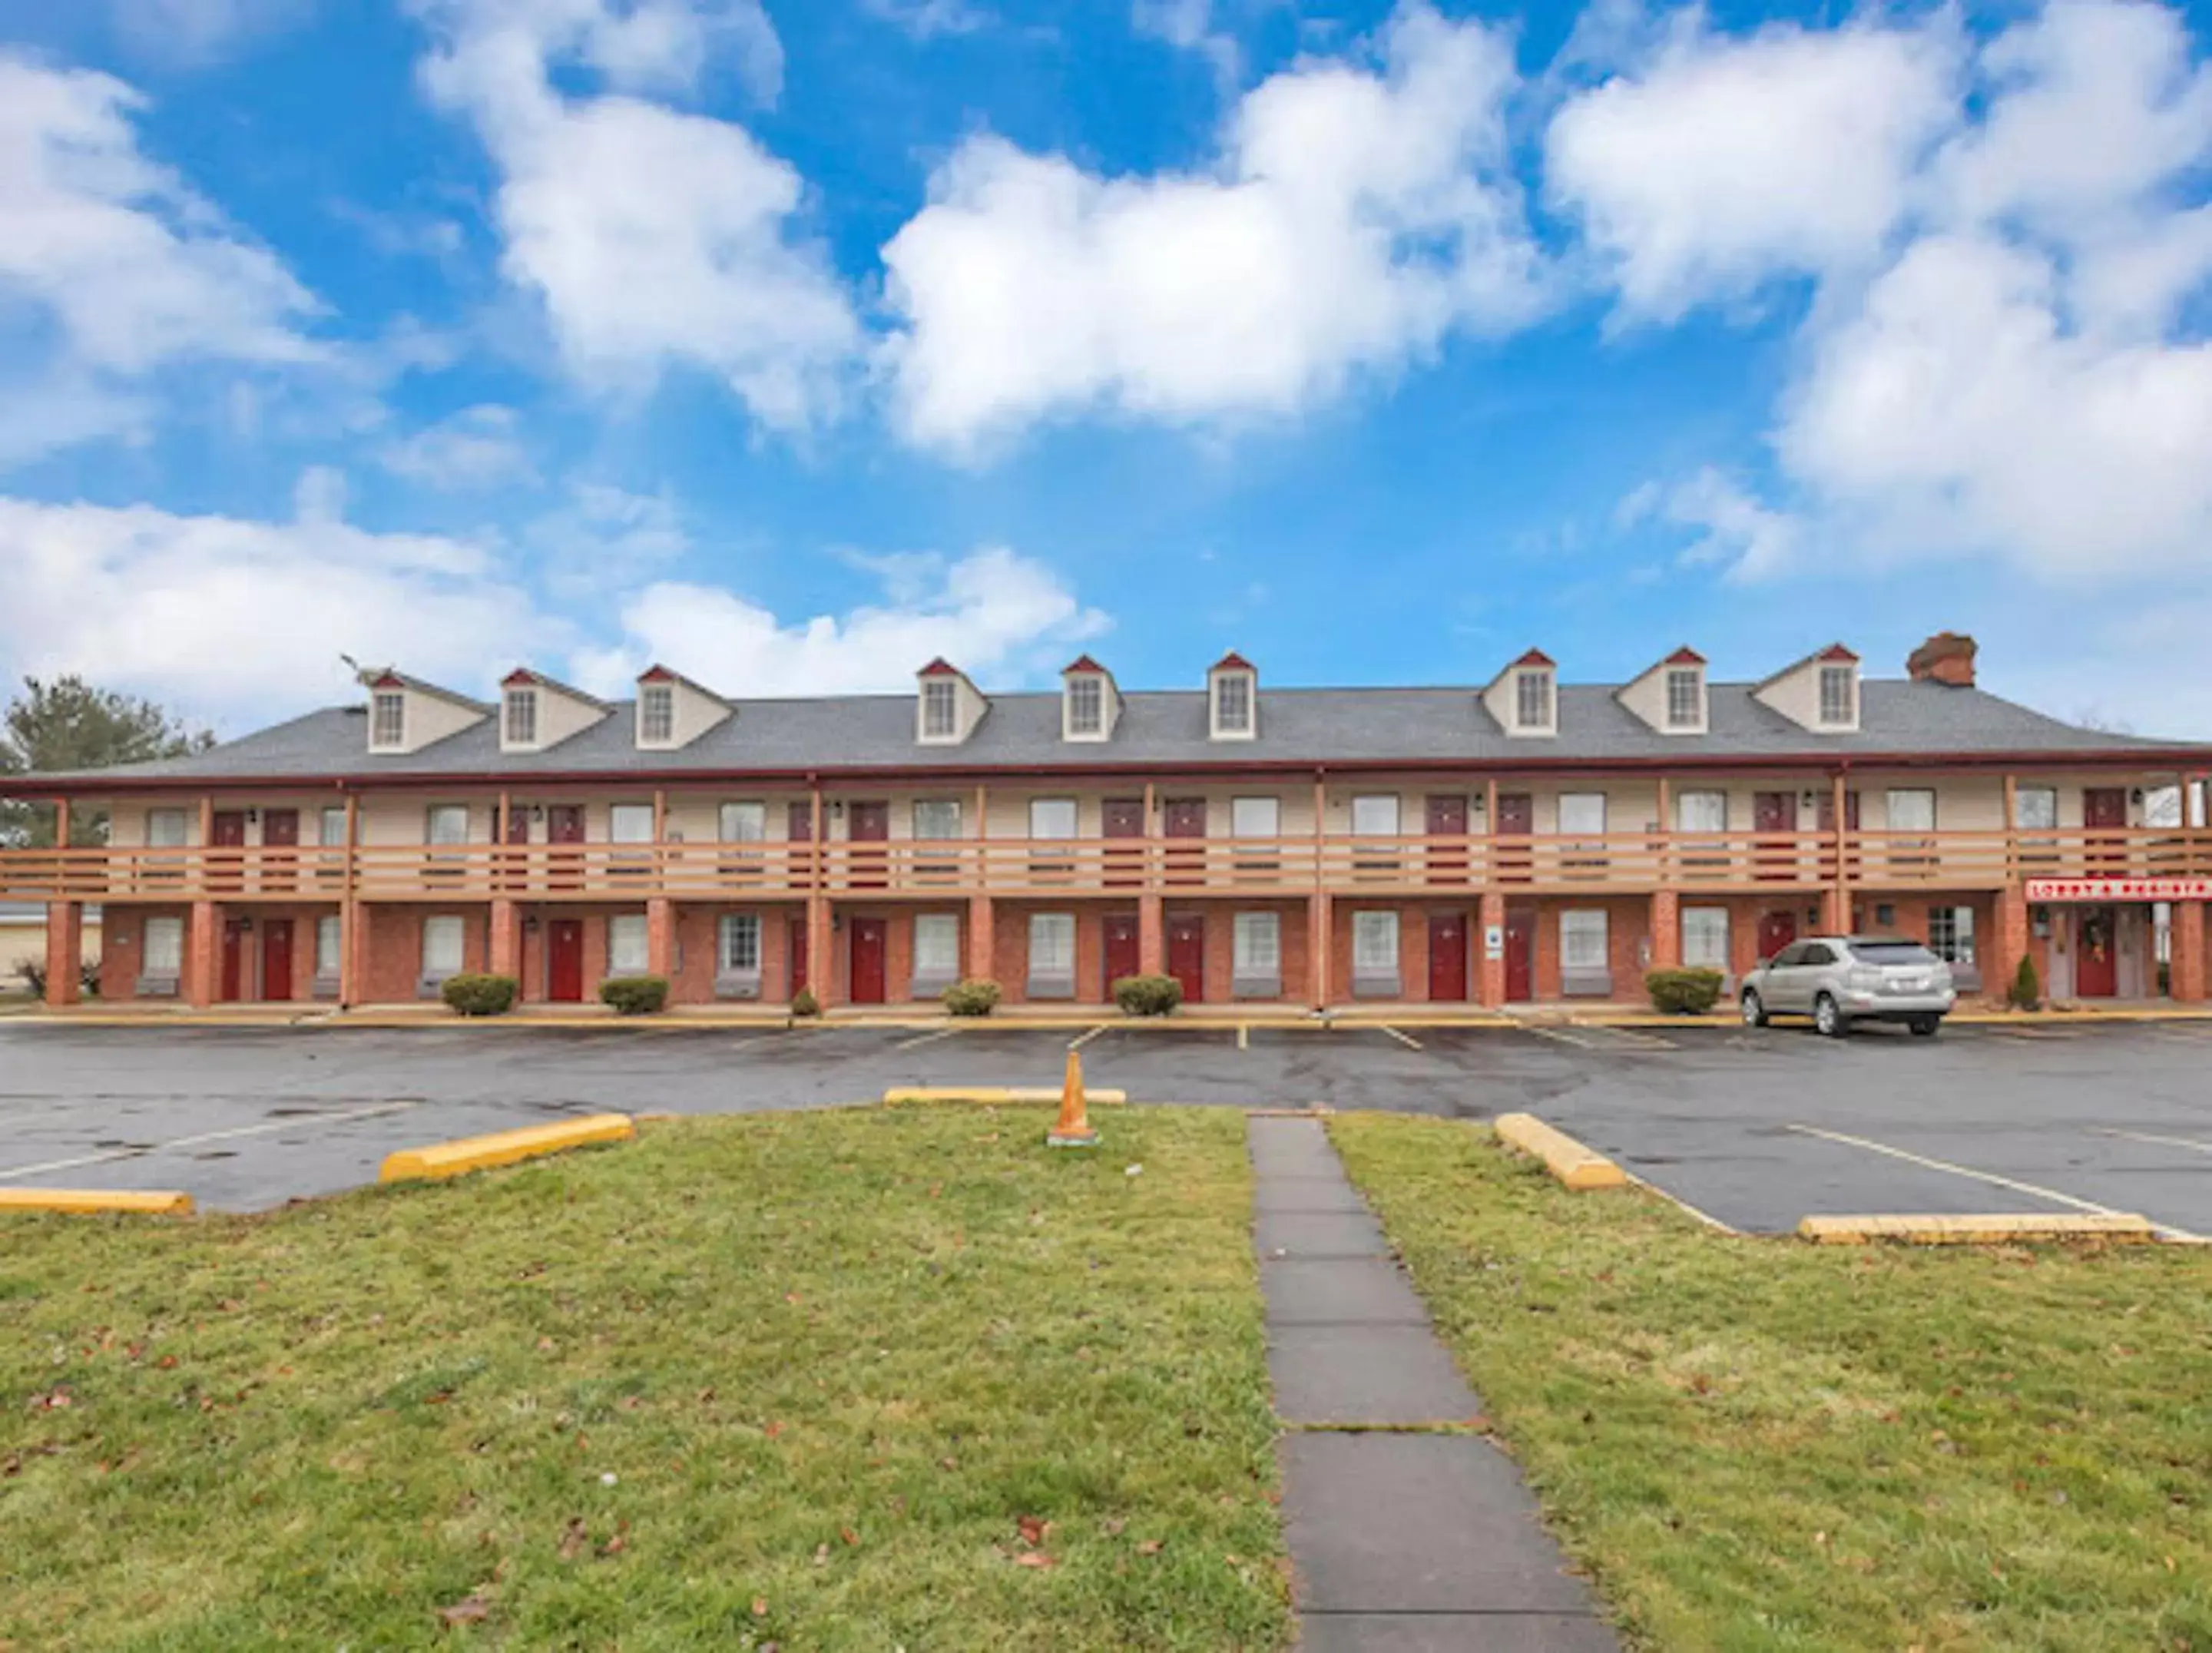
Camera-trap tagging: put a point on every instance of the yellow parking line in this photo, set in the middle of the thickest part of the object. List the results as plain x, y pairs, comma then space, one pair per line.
2146, 1136
1405, 1039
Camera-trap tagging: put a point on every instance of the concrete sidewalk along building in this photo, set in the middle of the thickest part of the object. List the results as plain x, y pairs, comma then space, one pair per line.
1527, 841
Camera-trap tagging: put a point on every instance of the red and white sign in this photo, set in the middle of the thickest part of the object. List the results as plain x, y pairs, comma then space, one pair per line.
2120, 889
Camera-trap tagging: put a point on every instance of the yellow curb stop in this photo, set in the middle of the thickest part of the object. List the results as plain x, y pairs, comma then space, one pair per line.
2120, 1227
160, 1202
1578, 1169
990, 1094
477, 1154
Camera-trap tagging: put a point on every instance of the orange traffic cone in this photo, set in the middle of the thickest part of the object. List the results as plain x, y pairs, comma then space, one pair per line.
1073, 1129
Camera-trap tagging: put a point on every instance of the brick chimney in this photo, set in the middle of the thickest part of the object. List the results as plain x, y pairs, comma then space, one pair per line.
1946, 658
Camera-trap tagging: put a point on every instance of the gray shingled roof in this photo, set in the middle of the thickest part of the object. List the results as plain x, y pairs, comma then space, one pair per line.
1298, 727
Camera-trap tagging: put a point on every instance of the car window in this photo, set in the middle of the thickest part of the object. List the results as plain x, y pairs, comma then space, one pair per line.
1816, 953
1892, 952
1792, 954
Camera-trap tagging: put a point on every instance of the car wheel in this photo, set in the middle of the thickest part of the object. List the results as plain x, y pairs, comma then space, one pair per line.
1827, 1018
1754, 1012
1923, 1027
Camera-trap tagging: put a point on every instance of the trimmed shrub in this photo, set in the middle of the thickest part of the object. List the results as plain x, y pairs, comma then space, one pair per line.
474, 993
1147, 995
634, 995
1683, 993
971, 998
2025, 992
803, 1002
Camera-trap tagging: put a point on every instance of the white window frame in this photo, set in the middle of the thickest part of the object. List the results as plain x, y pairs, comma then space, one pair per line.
1052, 956
940, 710
1590, 805
446, 825
1377, 815
1952, 940
1257, 955
439, 925
387, 719
1585, 941
163, 949
1535, 703
518, 720
741, 821
656, 715
1890, 811
731, 962
1054, 820
629, 945
1085, 708
330, 827
1847, 700
330, 943
1375, 943
1234, 705
936, 951
1686, 697
1705, 941
1256, 815
948, 824
1683, 810
166, 829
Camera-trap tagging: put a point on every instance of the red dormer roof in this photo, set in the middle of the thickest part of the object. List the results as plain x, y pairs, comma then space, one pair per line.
939, 667
656, 673
1837, 651
521, 674
1082, 663
1232, 661
390, 680
1536, 657
1684, 656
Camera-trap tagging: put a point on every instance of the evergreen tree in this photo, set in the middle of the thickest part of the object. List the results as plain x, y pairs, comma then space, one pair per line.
68, 724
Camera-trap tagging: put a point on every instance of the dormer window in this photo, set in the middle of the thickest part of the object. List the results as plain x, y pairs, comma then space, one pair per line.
940, 710
1086, 707
520, 721
1685, 697
1839, 696
387, 719
656, 715
1532, 698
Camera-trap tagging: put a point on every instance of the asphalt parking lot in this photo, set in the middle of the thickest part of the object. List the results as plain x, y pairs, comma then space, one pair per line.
1756, 1129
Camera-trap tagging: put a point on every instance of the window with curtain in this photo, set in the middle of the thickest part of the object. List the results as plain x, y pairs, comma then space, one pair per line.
937, 817
1951, 934
1701, 811
744, 821
328, 937
1258, 942
1052, 817
2036, 808
1581, 814
739, 944
1051, 955
1583, 940
628, 951
1255, 818
630, 823
165, 829
164, 944
333, 832
937, 949
1912, 809
1375, 815
1705, 938
1374, 944
442, 936
447, 824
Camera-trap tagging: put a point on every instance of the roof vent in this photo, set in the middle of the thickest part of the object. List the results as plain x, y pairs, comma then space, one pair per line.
1947, 658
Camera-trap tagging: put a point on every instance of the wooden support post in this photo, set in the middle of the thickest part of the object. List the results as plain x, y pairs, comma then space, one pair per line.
1318, 921
1839, 905
350, 913
821, 965
981, 879
2012, 828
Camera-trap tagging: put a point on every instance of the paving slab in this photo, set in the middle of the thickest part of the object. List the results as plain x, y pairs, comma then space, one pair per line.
1338, 1292
1366, 1375
1292, 1148
1310, 1194
1319, 1233
1454, 1632
1382, 1522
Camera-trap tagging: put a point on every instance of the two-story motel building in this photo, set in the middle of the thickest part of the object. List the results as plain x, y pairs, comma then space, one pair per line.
1523, 841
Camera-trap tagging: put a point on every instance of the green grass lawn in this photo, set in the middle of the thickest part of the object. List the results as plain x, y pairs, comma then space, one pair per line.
1761, 1445
858, 1379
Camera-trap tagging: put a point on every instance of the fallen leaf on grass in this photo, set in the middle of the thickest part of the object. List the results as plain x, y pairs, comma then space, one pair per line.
1033, 1529
760, 1607
576, 1539
1034, 1558
468, 1610
848, 1535
1150, 1547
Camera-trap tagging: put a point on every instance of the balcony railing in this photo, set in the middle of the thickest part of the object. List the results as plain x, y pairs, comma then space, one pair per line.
1410, 867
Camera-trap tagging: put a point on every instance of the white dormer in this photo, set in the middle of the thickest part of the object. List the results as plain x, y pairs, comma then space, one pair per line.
1232, 699
1819, 692
1090, 701
537, 714
673, 711
948, 707
1670, 698
1524, 697
405, 714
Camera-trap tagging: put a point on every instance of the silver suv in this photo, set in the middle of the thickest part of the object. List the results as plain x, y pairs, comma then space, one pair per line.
1839, 980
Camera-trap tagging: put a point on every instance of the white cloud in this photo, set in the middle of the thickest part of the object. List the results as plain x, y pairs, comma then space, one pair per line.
1355, 217
1721, 161
1732, 529
233, 616
925, 20
476, 448
655, 237
993, 612
1187, 25
193, 33
125, 269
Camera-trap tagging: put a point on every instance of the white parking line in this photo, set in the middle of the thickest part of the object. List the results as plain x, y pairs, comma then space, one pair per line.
925, 1038
1642, 1041
2145, 1136
1405, 1039
1991, 1177
1560, 1034
1243, 1036
205, 1136
1087, 1036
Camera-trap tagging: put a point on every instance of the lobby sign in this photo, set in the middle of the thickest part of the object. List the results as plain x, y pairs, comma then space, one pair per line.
2097, 889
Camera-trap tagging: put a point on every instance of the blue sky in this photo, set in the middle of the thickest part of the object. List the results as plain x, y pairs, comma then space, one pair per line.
793, 344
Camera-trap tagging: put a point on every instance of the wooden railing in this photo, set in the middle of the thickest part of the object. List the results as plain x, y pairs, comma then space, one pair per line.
952, 868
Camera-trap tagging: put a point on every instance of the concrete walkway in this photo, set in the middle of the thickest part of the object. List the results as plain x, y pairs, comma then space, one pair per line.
1401, 1541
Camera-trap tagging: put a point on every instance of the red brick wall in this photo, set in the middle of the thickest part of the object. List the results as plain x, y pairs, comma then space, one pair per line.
123, 945
1221, 945
1010, 946
1413, 918
395, 955
698, 935
1627, 932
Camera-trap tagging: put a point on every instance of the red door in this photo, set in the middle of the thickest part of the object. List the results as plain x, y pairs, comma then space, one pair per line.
227, 836
1123, 818
1520, 953
1447, 957
2096, 960
564, 825
1447, 819
2106, 808
1185, 818
1516, 820
1123, 958
869, 823
564, 961
1186, 956
1776, 932
798, 941
277, 958
233, 959
280, 832
868, 963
